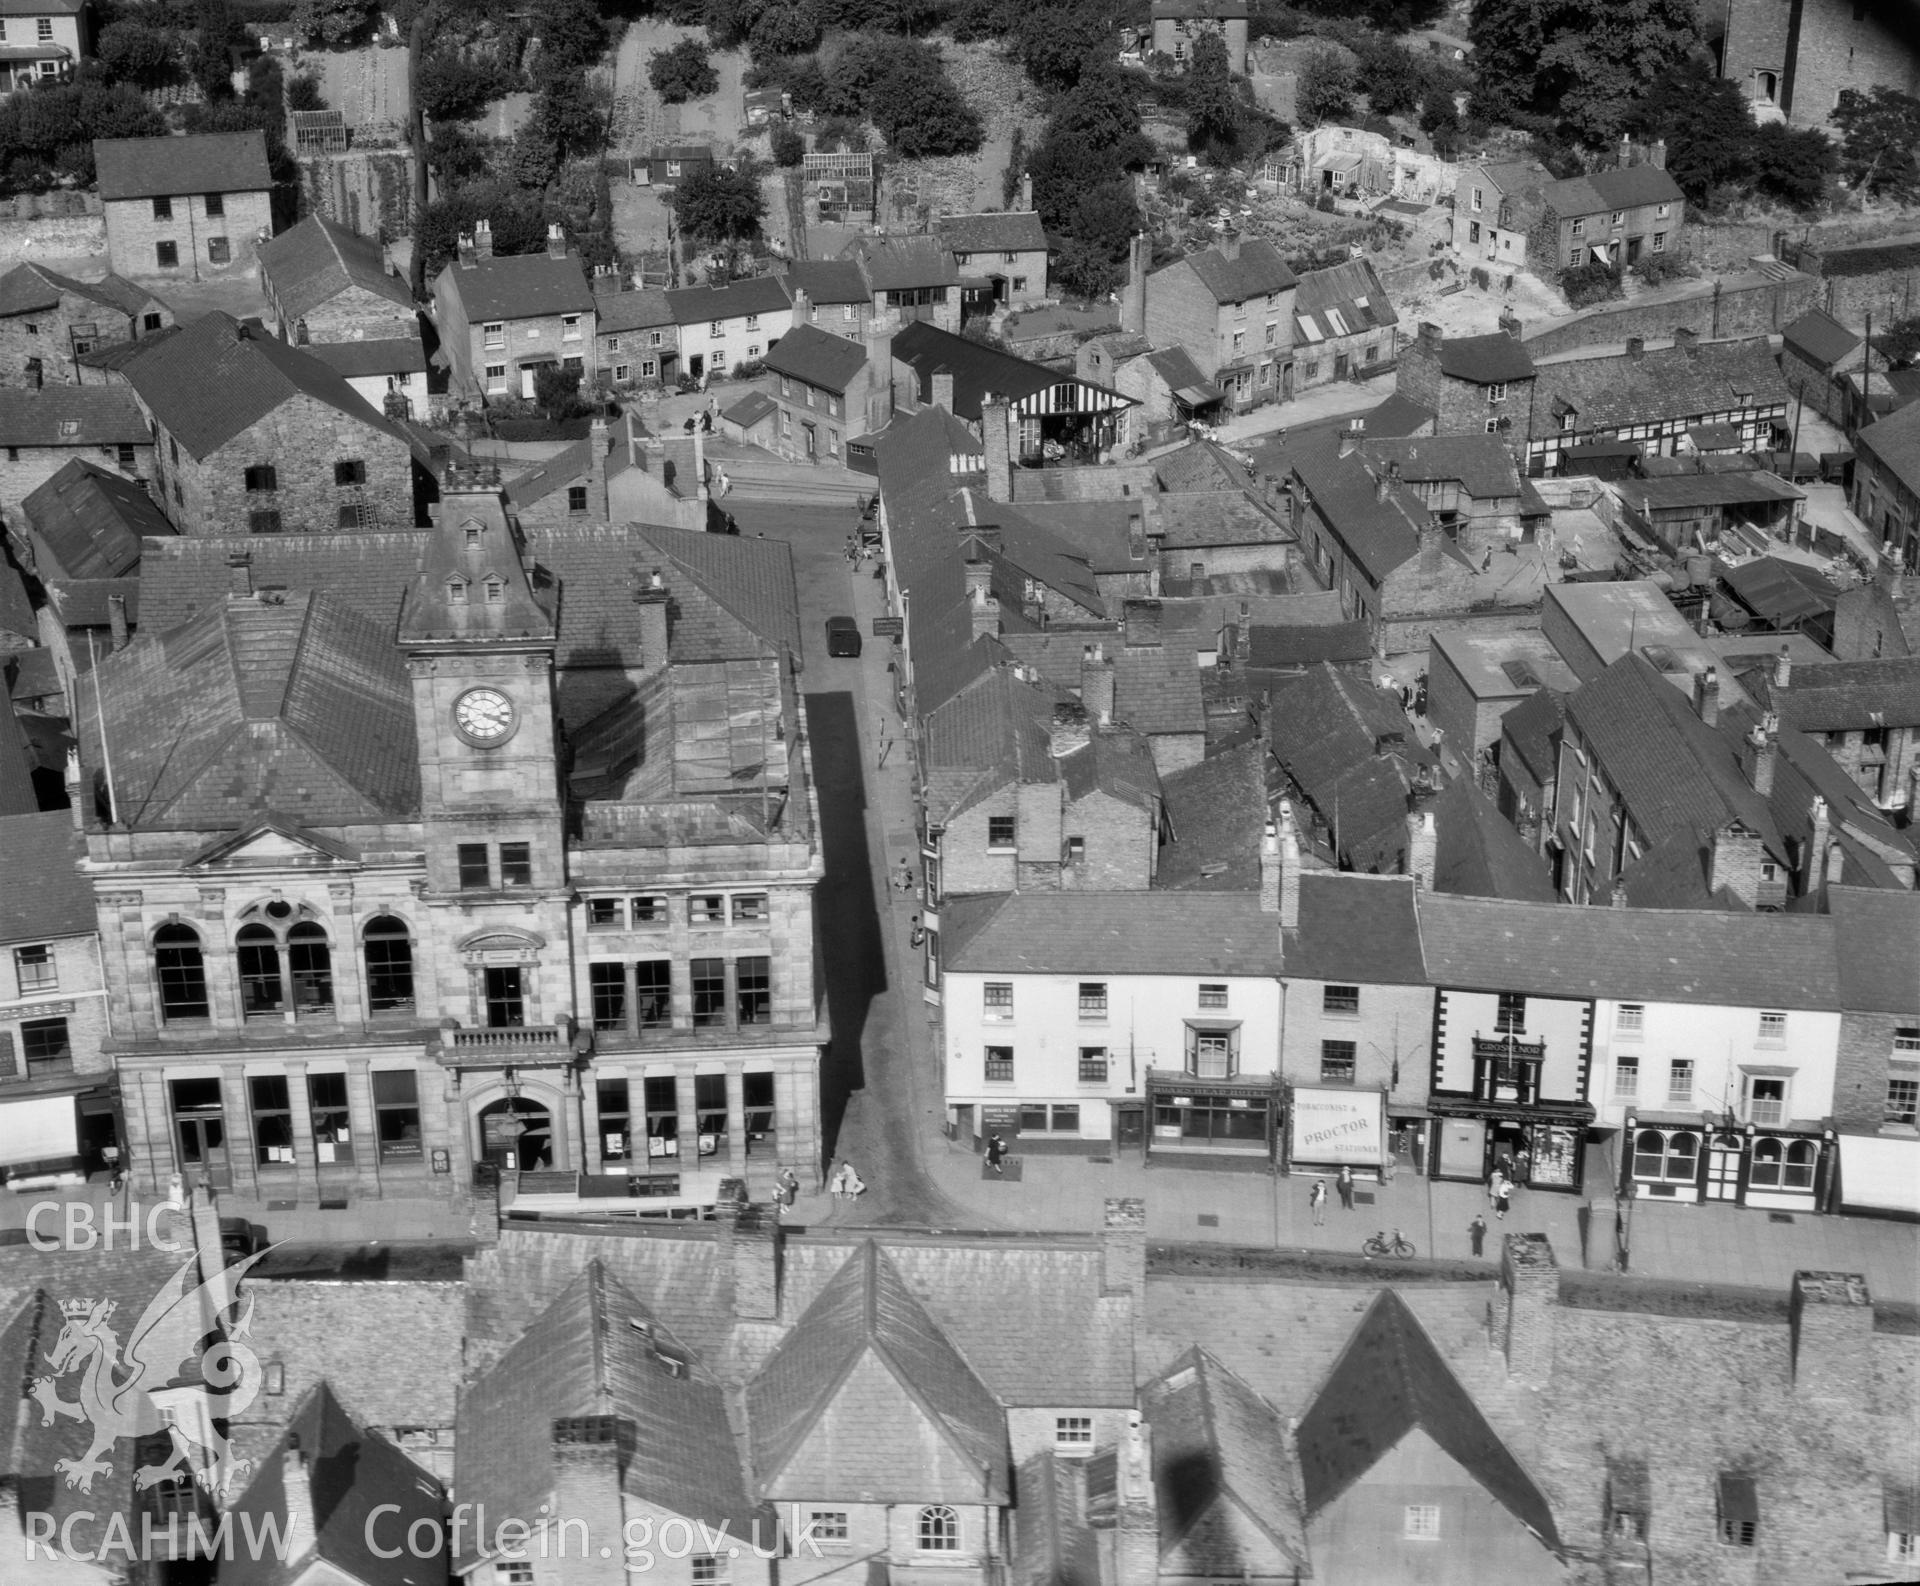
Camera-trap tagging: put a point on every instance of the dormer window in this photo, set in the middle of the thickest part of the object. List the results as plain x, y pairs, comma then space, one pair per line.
456, 591
496, 591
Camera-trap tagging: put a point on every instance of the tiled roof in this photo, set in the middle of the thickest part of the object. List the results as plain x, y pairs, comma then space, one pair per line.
1118, 933
42, 892
1222, 10
83, 602
358, 360
1308, 644
1742, 487
1485, 360
1222, 1459
199, 162
559, 470
180, 578
1834, 696
1516, 178
17, 795
1894, 441
977, 370
751, 409
1016, 230
349, 1474
216, 378
993, 733
313, 262
16, 609
1217, 517
755, 294
645, 309
1258, 271
1781, 592
91, 521
834, 281
299, 708
114, 356
868, 1395
1620, 188
1156, 689
1481, 463
1737, 960
894, 263
520, 286
1175, 365
1398, 417
34, 673
1351, 289
72, 415
1357, 930
1390, 1380
583, 1357
1618, 389
1199, 465
808, 353
1217, 809
1876, 933
1381, 535
1480, 854
1063, 319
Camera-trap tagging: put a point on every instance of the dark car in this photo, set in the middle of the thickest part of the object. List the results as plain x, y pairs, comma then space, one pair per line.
843, 636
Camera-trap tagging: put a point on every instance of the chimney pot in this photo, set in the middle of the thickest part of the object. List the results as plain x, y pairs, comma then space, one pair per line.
1706, 696
1423, 848
483, 239
1286, 856
117, 620
1782, 668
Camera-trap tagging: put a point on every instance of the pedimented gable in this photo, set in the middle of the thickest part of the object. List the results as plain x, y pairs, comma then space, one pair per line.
272, 845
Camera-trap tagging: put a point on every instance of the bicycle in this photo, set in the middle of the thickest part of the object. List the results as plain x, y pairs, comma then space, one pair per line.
1393, 1246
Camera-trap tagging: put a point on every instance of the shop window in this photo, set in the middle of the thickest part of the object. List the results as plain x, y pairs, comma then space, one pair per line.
707, 908
516, 864
1093, 1065
1511, 1017
272, 1120
1093, 999
996, 1000
1779, 1164
506, 998
1337, 1062
1660, 1157
749, 908
1066, 1117
939, 1529
615, 1143
653, 993
1422, 1522
606, 914
1000, 832
332, 1132
1626, 1077
45, 1046
1033, 1117
1680, 1082
34, 968
1074, 1433
608, 983
753, 990
181, 972
1212, 995
396, 1111
1000, 1065
1340, 1000
1903, 1101
257, 952
709, 992
476, 873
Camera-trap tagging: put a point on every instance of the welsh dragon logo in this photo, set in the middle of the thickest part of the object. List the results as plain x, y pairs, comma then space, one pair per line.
131, 1395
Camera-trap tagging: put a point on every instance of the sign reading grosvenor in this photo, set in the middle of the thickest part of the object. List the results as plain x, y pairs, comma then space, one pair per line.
1339, 1126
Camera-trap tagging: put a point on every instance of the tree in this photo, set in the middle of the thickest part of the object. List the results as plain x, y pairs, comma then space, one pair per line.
133, 52
1900, 343
303, 93
328, 23
573, 36
682, 73
1580, 64
452, 87
518, 219
789, 28
1706, 125
718, 205
789, 148
1879, 134
1326, 88
212, 53
1213, 118
1507, 38
1057, 41
1440, 120
1792, 164
567, 117
556, 390
918, 110
1392, 77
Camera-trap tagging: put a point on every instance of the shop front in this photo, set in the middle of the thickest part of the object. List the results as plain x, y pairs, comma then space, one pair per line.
1879, 1176
40, 1133
1329, 1128
1699, 1158
1223, 1119
1538, 1147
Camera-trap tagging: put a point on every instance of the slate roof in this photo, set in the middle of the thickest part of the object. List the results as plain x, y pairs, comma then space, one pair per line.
1876, 933
852, 1384
1014, 231
520, 286
1183, 376
1389, 1380
215, 379
27, 287
83, 603
1157, 689
751, 409
1221, 9
1625, 187
1353, 290
71, 415
1380, 535
583, 1357
1480, 854
1307, 644
645, 309
754, 294
1894, 442
91, 521
1217, 809
977, 370
359, 360
1739, 960
893, 263
1481, 463
1215, 517
1116, 933
311, 263
1485, 360
349, 1472
16, 609
1259, 271
834, 281
1741, 488
1356, 930
299, 708
42, 891
1833, 696
115, 356
1779, 591
17, 796
1398, 417
1218, 1446
34, 673
808, 353
1200, 465
198, 162
1663, 383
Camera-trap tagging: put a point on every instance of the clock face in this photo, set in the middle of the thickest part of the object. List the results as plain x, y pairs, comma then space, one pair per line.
485, 715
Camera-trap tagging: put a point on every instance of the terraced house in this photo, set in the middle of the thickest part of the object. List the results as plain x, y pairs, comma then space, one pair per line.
1232, 307
1614, 218
49, 321
184, 208
502, 319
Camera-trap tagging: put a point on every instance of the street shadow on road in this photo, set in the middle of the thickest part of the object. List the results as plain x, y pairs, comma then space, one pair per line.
853, 957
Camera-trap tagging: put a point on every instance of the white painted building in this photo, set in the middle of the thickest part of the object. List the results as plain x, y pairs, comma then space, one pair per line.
722, 327
1120, 1020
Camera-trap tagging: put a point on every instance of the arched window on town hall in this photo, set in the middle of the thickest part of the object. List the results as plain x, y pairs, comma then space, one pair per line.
285, 961
258, 952
181, 971
389, 953
310, 967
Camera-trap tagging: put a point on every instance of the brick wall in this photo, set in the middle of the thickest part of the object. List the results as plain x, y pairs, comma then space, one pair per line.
1120, 845
357, 314
301, 439
1461, 405
1709, 310
1863, 1068
966, 863
1814, 386
76, 996
1182, 313
134, 234
1389, 1033
1846, 45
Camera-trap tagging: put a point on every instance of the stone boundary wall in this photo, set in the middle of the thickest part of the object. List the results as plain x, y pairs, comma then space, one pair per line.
1715, 312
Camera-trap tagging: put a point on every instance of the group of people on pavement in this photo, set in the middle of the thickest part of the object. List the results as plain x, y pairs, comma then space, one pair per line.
1317, 1196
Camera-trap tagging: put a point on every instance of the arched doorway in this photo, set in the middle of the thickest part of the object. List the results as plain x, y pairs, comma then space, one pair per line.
516, 1135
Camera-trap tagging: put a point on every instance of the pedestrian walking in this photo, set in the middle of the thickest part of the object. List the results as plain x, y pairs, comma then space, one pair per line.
997, 1155
837, 1185
1317, 1199
1502, 1200
1523, 1167
788, 1191
856, 1185
919, 933
1477, 1232
1495, 1182
1346, 1189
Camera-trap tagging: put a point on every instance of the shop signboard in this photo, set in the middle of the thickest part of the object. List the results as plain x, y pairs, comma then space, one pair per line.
1339, 1126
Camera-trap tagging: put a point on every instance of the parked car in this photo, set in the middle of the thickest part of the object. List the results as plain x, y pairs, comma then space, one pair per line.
843, 636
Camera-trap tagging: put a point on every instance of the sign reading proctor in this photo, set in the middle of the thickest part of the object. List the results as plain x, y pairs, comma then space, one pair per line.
1336, 1126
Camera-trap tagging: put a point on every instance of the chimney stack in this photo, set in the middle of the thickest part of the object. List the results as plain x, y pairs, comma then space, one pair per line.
1026, 192
1072, 729
296, 1481
943, 389
1636, 347
1096, 683
1430, 339
1432, 541
1687, 339
1887, 574
802, 306
1382, 486
1423, 848
1832, 1325
1287, 860
117, 620
464, 250
1525, 1307
655, 633
1782, 668
750, 1249
700, 464
982, 605
1133, 300
1510, 323
556, 241
1657, 155
239, 573
1763, 748
1706, 696
1813, 861
1352, 436
996, 415
1123, 1250
587, 1480
1136, 1552
483, 239
1229, 244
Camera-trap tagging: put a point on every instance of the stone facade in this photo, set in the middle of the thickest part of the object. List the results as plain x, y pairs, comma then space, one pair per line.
351, 314
177, 239
40, 346
1461, 406
24, 469
1246, 347
1620, 237
42, 982
308, 450
1174, 34
1878, 1051
1793, 60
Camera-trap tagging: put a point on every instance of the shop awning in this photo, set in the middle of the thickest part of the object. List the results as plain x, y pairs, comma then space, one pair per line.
1879, 1175
38, 1129
1198, 396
